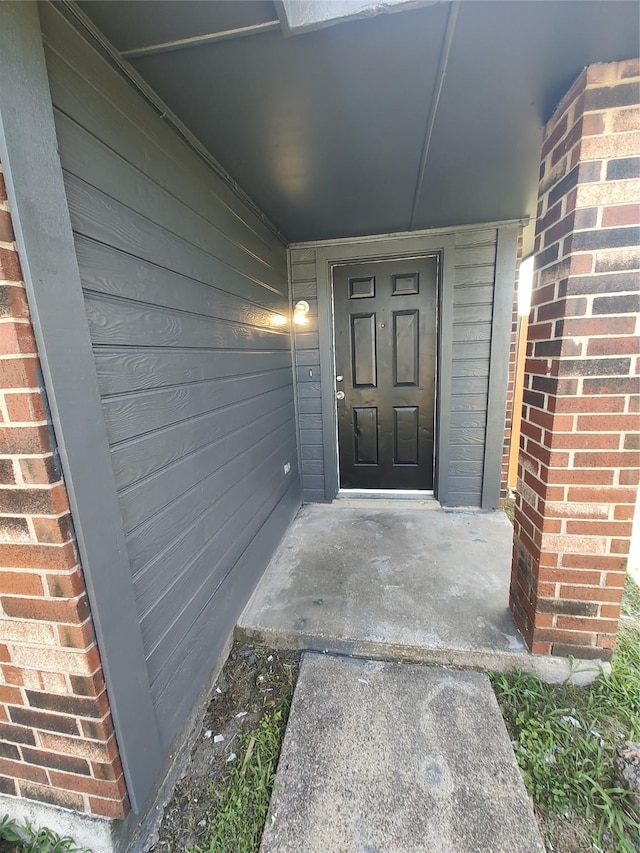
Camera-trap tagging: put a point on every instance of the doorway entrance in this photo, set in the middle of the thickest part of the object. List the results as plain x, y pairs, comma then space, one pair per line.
386, 344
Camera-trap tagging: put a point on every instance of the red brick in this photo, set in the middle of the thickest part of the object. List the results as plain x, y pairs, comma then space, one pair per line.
75, 706
17, 734
603, 562
621, 214
629, 478
10, 695
87, 685
593, 124
19, 372
612, 346
97, 730
623, 513
46, 794
616, 579
6, 228
25, 407
580, 476
573, 638
589, 593
84, 785
49, 501
109, 808
607, 423
56, 761
581, 264
9, 265
72, 611
16, 337
77, 636
615, 495
610, 611
24, 439
586, 527
607, 459
20, 583
567, 576
52, 531
23, 771
580, 623
13, 301
65, 586
593, 441
558, 423
37, 556
599, 326
107, 771
39, 470
620, 546
625, 120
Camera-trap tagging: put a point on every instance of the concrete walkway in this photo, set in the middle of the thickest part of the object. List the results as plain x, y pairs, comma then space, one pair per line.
396, 758
391, 582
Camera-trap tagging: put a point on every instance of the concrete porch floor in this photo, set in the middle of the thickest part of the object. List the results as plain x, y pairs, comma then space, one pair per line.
390, 580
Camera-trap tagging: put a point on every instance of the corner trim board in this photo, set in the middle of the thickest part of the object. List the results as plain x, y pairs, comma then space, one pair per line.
29, 153
504, 282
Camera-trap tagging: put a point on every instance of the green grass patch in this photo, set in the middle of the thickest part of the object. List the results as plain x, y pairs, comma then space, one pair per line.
239, 810
23, 838
565, 739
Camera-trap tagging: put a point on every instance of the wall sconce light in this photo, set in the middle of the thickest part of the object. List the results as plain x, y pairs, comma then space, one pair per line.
300, 313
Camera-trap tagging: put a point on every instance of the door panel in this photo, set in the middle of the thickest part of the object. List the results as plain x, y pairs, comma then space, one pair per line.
385, 325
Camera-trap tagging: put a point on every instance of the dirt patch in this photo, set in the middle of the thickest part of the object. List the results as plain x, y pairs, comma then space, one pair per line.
254, 683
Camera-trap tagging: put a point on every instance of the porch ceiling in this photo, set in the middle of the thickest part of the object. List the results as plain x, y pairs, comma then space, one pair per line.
327, 130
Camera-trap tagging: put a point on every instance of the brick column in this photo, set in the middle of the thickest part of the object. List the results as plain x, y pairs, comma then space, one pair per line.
56, 739
579, 459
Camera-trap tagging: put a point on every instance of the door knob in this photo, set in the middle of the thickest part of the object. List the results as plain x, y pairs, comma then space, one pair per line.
339, 378
339, 395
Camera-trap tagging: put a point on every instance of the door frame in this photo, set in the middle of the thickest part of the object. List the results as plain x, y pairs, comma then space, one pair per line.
378, 249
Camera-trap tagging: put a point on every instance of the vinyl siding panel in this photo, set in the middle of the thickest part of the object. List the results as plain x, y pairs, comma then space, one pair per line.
181, 280
474, 274
302, 265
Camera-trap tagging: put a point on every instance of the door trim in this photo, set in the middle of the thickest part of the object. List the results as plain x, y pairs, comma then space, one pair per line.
393, 248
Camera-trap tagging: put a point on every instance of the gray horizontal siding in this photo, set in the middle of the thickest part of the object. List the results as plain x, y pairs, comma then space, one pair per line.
474, 267
474, 274
181, 281
302, 265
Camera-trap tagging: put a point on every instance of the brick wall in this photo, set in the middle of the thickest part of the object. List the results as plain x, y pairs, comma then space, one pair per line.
579, 459
56, 739
513, 358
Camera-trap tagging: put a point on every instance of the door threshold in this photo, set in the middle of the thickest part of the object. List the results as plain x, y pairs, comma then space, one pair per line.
387, 494
386, 499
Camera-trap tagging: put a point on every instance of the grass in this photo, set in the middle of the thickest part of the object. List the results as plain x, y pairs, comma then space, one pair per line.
23, 838
239, 809
565, 740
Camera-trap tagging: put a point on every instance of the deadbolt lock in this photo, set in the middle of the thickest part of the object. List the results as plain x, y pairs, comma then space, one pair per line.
339, 378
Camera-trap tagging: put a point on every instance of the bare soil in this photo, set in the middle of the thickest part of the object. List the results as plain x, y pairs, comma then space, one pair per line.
253, 681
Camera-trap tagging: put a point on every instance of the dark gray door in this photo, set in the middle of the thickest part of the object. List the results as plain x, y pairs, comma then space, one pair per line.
385, 326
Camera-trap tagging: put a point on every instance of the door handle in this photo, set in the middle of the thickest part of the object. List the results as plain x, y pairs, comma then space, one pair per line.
339, 395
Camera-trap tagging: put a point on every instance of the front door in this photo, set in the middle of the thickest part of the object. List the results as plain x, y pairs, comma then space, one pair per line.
385, 329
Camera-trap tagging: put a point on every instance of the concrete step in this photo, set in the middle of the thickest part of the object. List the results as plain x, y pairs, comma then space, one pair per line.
396, 758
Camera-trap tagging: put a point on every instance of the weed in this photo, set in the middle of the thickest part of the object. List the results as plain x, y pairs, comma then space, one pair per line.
29, 840
239, 810
565, 740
